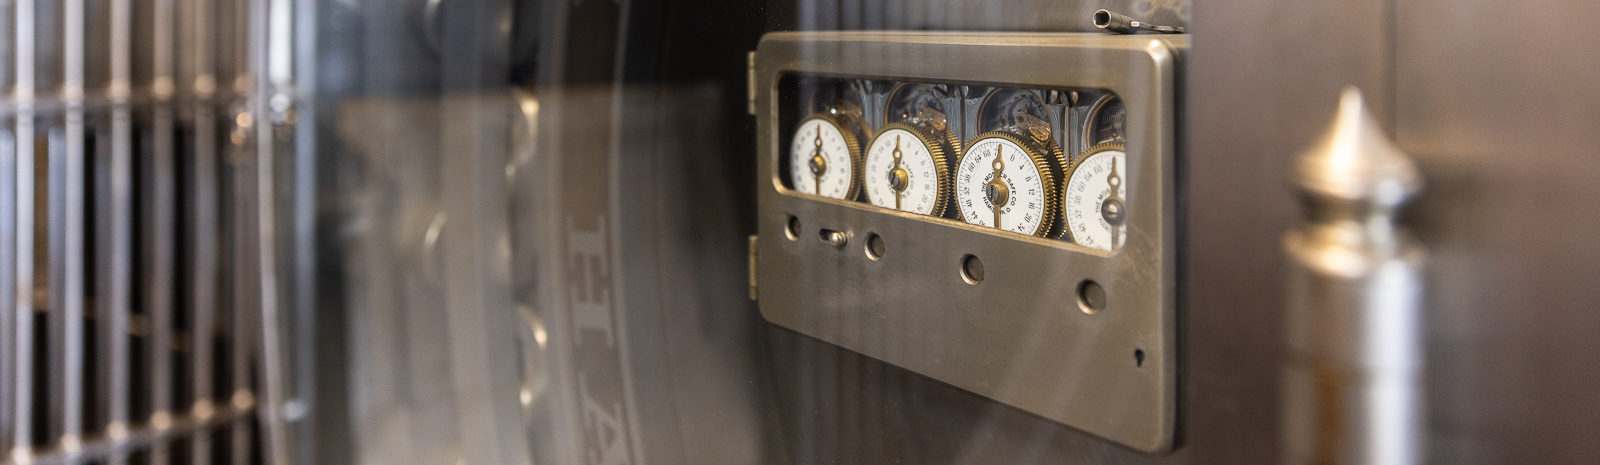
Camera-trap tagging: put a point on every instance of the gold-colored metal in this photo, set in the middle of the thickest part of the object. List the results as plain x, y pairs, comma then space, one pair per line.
848, 130
937, 148
998, 192
1047, 159
1121, 216
1033, 126
933, 121
897, 175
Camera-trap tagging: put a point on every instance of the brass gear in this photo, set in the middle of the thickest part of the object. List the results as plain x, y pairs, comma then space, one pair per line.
937, 148
1046, 159
849, 132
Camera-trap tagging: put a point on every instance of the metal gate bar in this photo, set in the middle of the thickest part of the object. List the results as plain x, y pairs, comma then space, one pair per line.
135, 224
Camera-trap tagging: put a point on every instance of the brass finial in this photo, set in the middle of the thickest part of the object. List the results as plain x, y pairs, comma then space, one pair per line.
1355, 162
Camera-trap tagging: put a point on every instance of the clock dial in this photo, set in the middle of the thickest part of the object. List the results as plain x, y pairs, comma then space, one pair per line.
906, 170
1006, 182
1094, 199
824, 158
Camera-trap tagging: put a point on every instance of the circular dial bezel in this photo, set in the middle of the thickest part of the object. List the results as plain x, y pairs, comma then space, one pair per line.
936, 149
1071, 172
1041, 135
1047, 160
905, 89
852, 145
1086, 144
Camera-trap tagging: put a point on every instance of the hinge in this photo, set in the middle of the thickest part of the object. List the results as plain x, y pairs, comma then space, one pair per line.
750, 84
752, 267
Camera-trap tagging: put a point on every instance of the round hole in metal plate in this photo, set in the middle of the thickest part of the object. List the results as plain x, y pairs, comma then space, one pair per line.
875, 246
1091, 297
792, 228
971, 269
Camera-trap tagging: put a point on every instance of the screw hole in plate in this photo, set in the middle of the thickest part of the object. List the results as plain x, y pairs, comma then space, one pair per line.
792, 228
971, 269
875, 246
1091, 297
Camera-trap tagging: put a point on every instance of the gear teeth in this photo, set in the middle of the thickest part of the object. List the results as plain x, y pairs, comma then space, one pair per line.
936, 148
1048, 160
848, 130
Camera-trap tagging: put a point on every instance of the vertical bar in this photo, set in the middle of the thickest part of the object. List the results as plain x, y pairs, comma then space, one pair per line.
158, 221
249, 289
22, 429
8, 313
202, 225
271, 36
244, 286
303, 268
55, 256
8, 190
67, 245
117, 229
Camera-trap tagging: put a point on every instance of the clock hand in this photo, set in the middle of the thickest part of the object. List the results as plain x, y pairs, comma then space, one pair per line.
818, 162
897, 176
997, 190
1113, 210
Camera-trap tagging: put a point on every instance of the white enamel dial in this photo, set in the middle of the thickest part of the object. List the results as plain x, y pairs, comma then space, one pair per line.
904, 172
1023, 189
1095, 199
823, 158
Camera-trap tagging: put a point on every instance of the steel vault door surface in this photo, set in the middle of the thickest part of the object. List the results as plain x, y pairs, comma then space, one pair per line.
1018, 336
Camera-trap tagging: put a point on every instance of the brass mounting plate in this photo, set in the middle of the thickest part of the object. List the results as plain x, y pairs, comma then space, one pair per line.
1018, 336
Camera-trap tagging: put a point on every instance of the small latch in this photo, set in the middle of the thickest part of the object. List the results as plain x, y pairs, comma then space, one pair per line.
753, 267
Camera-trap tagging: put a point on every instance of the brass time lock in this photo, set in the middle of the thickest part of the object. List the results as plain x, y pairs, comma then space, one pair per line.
993, 210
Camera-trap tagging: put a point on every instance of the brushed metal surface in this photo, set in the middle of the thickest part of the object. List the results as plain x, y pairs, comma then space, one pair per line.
1502, 119
1018, 337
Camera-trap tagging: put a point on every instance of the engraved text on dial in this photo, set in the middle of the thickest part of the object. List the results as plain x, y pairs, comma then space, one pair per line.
1093, 210
899, 164
1021, 187
819, 160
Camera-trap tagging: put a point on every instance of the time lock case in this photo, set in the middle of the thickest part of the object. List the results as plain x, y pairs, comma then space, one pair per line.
996, 211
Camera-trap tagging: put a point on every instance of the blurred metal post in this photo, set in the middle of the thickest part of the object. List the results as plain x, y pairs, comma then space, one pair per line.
1352, 376
158, 217
116, 231
22, 413
201, 202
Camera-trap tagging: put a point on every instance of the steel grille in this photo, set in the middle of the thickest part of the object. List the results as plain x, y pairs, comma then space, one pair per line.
136, 226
